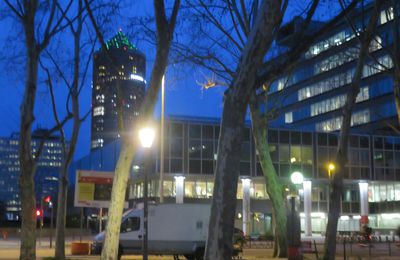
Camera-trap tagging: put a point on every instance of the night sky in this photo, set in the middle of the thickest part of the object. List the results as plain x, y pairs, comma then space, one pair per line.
184, 96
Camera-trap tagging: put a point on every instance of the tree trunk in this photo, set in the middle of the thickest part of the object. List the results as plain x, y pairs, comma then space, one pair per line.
220, 232
110, 250
61, 214
274, 187
223, 207
396, 92
27, 163
28, 214
165, 30
342, 152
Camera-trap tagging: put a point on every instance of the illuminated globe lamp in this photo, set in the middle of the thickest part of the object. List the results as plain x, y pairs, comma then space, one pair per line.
146, 137
297, 178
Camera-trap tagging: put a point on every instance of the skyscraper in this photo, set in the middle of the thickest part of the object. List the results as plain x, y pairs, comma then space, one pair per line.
119, 63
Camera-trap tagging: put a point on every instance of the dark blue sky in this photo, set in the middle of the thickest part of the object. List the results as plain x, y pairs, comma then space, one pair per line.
183, 94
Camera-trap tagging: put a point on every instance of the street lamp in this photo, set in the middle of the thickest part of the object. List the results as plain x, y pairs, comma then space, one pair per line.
331, 167
297, 178
293, 221
146, 137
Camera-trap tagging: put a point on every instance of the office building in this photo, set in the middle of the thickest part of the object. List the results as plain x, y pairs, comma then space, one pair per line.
118, 64
372, 178
46, 177
310, 97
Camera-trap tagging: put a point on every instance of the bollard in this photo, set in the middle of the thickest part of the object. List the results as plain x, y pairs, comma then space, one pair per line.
369, 247
316, 250
351, 246
344, 248
390, 249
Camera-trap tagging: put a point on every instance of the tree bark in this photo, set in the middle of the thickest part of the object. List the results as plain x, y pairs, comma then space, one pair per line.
236, 98
274, 186
336, 187
27, 163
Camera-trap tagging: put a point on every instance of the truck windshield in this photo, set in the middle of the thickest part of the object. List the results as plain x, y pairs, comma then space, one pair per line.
130, 224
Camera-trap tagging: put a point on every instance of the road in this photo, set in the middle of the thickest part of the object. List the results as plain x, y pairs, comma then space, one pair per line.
10, 250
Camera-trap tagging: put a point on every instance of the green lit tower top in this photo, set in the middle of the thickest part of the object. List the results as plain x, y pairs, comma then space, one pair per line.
120, 41
126, 66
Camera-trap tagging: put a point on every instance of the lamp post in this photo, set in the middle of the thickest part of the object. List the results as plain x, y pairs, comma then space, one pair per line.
161, 183
146, 137
293, 222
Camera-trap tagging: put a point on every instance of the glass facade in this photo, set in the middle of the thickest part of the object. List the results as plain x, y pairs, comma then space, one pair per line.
313, 94
46, 177
191, 151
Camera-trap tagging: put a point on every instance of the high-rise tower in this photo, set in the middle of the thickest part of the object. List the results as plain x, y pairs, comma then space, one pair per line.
121, 62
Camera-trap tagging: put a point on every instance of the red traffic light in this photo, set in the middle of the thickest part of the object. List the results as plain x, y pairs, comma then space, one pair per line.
38, 213
47, 199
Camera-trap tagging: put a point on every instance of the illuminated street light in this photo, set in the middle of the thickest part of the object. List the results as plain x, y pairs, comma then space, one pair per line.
297, 178
146, 137
331, 167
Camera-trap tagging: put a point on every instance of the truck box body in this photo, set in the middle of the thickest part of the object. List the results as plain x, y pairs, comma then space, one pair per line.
173, 229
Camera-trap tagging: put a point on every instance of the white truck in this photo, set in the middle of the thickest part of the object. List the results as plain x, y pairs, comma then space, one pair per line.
173, 229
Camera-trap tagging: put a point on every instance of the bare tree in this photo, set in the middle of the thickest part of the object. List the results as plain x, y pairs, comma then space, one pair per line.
74, 85
218, 60
261, 35
41, 21
342, 152
165, 28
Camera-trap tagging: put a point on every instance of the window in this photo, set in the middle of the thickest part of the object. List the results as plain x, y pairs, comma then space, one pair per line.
289, 117
386, 15
98, 111
194, 131
334, 124
130, 224
337, 102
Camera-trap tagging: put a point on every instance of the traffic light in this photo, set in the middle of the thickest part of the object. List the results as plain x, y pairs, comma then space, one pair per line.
38, 213
47, 199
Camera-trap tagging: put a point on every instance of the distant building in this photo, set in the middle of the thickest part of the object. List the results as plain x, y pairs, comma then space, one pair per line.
126, 66
310, 97
46, 177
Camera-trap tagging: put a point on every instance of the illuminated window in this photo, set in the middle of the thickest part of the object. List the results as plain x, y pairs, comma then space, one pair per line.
334, 124
336, 102
134, 70
386, 15
98, 111
137, 77
289, 117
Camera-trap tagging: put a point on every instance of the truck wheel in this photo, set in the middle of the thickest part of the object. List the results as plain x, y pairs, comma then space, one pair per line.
120, 252
199, 255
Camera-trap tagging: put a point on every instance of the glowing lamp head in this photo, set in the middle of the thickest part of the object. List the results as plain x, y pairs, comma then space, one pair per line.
331, 166
146, 137
297, 178
38, 213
